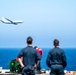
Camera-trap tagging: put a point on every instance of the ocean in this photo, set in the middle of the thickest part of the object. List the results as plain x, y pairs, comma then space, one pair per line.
8, 54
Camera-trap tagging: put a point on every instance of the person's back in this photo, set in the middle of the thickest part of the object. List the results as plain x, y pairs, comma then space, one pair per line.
29, 54
57, 55
56, 60
30, 57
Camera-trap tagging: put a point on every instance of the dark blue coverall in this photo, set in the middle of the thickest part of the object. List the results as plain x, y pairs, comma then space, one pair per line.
56, 60
30, 57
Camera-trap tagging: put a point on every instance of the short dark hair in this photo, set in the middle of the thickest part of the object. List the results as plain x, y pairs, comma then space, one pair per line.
35, 47
29, 40
56, 42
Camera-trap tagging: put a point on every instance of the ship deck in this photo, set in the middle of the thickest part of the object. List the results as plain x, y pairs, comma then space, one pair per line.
7, 72
36, 74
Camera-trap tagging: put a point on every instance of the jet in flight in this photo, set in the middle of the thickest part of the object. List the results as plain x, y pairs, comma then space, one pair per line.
8, 21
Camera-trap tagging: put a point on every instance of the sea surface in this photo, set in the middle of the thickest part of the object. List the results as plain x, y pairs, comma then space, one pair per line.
8, 54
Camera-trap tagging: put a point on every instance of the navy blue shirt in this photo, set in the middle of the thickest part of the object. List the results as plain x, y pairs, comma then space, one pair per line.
30, 55
56, 56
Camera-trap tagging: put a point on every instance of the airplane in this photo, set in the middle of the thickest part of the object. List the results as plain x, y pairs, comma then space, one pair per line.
8, 21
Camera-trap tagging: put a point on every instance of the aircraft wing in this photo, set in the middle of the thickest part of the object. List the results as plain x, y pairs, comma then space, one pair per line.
8, 20
4, 20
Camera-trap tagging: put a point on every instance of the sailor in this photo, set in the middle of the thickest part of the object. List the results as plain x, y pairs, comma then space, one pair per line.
56, 60
30, 57
39, 50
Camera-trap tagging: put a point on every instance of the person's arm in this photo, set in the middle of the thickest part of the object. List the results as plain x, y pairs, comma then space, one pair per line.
21, 63
41, 53
19, 58
38, 61
64, 60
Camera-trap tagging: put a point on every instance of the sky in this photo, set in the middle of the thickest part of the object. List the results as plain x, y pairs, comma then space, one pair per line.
44, 21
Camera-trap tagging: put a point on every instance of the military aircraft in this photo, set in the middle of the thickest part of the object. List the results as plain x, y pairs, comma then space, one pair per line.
8, 21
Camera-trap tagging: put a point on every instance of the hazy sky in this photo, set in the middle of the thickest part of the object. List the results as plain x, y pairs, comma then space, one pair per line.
44, 20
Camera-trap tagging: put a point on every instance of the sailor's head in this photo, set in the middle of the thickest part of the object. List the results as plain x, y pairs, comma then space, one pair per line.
29, 40
56, 42
36, 47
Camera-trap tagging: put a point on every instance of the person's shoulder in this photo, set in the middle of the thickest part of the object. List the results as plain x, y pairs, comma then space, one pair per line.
24, 48
52, 49
62, 50
33, 49
39, 49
